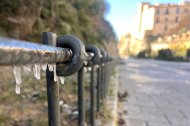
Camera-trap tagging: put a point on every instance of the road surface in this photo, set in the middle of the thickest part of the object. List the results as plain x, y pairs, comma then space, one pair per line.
159, 93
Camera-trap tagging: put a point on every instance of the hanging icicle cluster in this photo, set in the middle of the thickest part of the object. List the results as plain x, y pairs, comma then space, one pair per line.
36, 69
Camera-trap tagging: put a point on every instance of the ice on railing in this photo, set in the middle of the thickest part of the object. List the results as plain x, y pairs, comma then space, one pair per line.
18, 79
85, 69
17, 74
89, 69
36, 70
62, 80
44, 67
50, 67
17, 89
85, 62
96, 66
54, 73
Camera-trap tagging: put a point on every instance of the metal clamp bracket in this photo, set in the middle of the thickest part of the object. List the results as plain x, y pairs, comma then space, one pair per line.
78, 55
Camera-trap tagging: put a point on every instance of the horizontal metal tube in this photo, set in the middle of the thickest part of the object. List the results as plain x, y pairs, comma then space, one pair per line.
17, 52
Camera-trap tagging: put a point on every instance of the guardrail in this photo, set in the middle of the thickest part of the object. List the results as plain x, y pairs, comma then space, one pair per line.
60, 56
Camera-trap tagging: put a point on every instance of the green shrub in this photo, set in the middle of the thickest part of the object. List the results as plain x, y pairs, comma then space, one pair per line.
165, 54
188, 53
142, 54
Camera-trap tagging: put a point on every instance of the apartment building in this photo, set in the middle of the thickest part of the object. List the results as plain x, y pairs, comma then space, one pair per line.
159, 19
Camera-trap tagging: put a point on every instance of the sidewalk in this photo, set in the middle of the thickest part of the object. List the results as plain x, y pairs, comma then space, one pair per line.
159, 93
112, 100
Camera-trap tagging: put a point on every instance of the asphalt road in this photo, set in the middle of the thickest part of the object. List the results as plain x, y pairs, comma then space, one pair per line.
159, 93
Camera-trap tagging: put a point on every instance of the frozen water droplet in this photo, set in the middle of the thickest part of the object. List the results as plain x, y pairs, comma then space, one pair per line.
61, 102
62, 79
89, 68
85, 62
36, 69
85, 69
50, 67
96, 67
54, 72
18, 79
27, 68
17, 74
44, 67
17, 89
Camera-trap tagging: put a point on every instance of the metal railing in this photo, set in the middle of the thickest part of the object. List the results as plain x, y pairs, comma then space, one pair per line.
69, 56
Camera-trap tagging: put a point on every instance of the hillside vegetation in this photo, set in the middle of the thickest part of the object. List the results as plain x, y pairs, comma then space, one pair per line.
27, 19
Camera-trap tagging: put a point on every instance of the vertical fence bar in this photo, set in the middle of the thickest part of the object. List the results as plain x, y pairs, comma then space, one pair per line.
108, 77
102, 81
52, 87
92, 99
105, 77
81, 118
98, 89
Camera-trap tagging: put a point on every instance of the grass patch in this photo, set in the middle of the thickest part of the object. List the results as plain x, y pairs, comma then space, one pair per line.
4, 119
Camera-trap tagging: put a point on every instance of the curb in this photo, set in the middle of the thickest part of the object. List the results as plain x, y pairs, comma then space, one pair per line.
112, 100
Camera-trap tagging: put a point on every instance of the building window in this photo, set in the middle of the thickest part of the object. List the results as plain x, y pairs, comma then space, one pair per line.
157, 20
165, 28
177, 10
167, 11
158, 11
176, 19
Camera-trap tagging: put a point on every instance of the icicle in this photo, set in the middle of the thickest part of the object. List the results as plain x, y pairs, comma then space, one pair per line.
54, 72
61, 102
62, 79
17, 74
50, 66
85, 69
85, 62
18, 79
96, 66
89, 68
27, 68
36, 70
44, 67
17, 89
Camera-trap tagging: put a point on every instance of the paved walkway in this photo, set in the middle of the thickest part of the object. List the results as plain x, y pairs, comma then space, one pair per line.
159, 93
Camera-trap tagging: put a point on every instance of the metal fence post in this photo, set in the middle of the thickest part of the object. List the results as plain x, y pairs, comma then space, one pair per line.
92, 99
102, 74
81, 109
98, 88
52, 87
102, 82
105, 78
74, 65
94, 61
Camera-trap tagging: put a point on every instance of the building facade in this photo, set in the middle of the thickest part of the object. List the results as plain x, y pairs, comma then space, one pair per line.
159, 19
